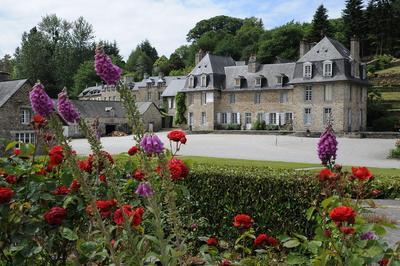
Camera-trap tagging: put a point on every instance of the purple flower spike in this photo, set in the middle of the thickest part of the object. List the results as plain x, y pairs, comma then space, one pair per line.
66, 109
40, 101
368, 236
104, 67
144, 190
327, 146
151, 144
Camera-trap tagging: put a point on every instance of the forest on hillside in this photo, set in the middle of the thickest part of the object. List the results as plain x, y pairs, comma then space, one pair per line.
59, 53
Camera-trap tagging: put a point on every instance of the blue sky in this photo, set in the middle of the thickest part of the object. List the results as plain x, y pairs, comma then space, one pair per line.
163, 22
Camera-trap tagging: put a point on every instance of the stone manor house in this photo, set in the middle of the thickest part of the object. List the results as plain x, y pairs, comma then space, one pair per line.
328, 82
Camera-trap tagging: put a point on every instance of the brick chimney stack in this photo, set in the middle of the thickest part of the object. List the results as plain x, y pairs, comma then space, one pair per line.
253, 65
355, 49
198, 56
304, 48
4, 76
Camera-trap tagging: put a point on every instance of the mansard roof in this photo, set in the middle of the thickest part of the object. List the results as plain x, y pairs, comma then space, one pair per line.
155, 80
326, 49
212, 64
174, 87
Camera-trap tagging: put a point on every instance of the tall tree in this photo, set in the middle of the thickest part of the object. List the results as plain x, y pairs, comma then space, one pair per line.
161, 65
84, 77
320, 26
6, 64
354, 20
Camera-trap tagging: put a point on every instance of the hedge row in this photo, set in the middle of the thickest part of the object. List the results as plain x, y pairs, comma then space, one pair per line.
277, 199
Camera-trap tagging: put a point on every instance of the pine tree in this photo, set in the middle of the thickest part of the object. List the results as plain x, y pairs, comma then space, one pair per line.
320, 26
354, 19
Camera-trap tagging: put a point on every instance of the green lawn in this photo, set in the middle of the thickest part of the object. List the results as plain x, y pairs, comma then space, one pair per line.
387, 172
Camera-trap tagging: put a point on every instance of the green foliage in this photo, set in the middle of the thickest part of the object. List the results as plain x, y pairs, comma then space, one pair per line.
161, 65
259, 125
85, 76
386, 123
380, 62
354, 20
180, 118
320, 25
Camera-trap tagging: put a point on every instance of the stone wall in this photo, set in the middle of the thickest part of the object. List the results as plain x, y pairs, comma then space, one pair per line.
197, 108
141, 95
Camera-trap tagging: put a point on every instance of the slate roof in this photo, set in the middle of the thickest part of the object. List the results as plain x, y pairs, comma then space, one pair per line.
93, 109
268, 71
326, 49
212, 64
8, 88
94, 90
155, 80
174, 87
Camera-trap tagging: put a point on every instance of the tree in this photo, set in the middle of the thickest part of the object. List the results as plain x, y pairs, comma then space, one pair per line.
354, 20
149, 50
248, 36
320, 26
85, 76
141, 59
161, 65
215, 24
6, 64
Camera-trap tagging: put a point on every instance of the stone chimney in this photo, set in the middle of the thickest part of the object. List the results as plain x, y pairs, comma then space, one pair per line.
199, 55
355, 49
4, 76
253, 66
145, 76
304, 48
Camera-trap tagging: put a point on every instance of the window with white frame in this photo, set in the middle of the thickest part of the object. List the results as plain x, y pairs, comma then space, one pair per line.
257, 98
191, 81
203, 118
289, 118
203, 81
308, 94
279, 80
203, 98
171, 103
328, 93
224, 118
25, 137
307, 116
191, 119
327, 69
234, 118
247, 118
159, 95
237, 82
307, 70
149, 95
272, 118
257, 82
327, 115
284, 97
232, 98
25, 116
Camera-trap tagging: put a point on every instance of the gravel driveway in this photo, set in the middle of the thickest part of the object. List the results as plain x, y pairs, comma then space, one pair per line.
357, 152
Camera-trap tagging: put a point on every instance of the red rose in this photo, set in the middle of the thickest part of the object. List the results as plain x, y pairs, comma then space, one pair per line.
326, 174
48, 137
260, 240
17, 152
225, 262
242, 221
138, 175
56, 155
6, 194
74, 185
11, 179
134, 214
177, 169
85, 165
272, 241
212, 241
38, 120
61, 190
105, 207
343, 214
383, 262
361, 173
347, 230
132, 151
327, 233
102, 178
55, 215
177, 136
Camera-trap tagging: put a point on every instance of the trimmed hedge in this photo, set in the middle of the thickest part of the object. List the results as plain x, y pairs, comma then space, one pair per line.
276, 199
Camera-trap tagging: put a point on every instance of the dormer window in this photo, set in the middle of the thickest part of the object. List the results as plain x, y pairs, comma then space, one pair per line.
191, 82
327, 68
203, 81
307, 70
279, 80
257, 82
237, 82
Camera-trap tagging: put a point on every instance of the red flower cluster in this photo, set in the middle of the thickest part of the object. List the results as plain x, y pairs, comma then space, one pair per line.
225, 262
132, 151
6, 194
212, 241
347, 230
55, 215
326, 175
11, 179
56, 156
264, 239
383, 262
102, 178
177, 169
17, 152
242, 221
61, 190
74, 185
38, 121
361, 173
138, 175
87, 164
343, 214
177, 136
105, 207
134, 214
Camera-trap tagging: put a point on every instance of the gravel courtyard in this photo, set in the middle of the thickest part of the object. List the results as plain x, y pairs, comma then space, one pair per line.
369, 152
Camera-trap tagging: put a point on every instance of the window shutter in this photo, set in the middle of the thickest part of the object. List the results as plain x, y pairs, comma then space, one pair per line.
277, 118
304, 118
283, 121
238, 118
267, 120
228, 118
219, 118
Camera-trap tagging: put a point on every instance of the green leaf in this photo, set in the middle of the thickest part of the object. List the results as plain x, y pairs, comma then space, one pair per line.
68, 234
373, 251
11, 145
313, 246
291, 243
379, 230
310, 213
296, 259
326, 202
356, 260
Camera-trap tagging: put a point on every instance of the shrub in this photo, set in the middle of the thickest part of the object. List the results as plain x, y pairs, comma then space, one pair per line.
380, 62
259, 125
385, 123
